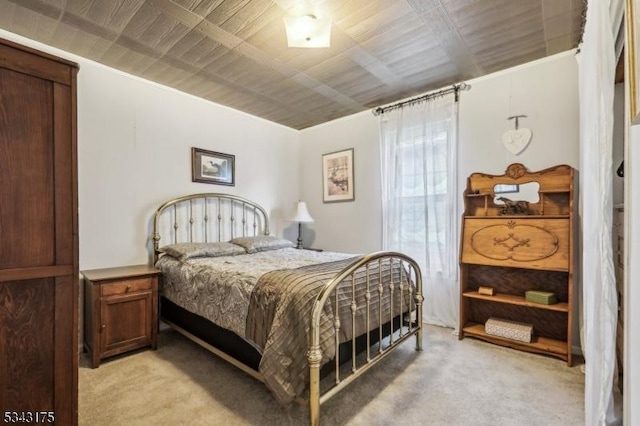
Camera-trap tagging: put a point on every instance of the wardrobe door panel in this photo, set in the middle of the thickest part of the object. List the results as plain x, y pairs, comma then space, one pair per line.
26, 331
64, 160
27, 215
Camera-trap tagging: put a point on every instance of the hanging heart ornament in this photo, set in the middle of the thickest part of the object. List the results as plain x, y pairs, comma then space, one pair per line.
516, 140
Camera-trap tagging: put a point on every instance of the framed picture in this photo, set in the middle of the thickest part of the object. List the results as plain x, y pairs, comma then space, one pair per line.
337, 176
632, 55
212, 167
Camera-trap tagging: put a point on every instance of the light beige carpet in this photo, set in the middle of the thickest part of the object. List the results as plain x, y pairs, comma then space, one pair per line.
451, 382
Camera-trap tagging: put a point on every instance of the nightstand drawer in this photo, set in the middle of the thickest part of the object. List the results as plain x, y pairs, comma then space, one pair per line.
128, 286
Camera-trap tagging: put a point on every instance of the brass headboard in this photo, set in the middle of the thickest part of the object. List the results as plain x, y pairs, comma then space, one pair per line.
207, 217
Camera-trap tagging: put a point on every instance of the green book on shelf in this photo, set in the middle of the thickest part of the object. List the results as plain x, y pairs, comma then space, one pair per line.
544, 297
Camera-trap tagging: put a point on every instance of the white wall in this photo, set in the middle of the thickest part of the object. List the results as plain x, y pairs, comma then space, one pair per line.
546, 91
134, 152
353, 226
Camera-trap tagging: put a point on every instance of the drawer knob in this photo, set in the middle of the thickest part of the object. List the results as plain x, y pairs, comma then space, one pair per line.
128, 287
103, 326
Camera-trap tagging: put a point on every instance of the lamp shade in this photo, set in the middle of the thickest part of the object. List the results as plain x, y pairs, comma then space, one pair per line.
307, 31
302, 214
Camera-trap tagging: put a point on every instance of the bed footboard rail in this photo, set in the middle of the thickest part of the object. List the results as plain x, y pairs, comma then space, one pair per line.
398, 278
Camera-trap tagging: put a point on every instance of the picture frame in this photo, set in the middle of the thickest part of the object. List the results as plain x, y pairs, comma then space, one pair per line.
212, 167
632, 46
338, 182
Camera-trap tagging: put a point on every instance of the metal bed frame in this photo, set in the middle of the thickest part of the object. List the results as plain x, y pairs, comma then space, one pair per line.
210, 217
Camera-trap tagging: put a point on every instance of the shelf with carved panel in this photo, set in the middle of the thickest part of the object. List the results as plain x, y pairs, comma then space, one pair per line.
514, 245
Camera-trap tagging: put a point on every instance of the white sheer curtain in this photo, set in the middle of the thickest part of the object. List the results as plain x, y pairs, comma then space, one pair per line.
596, 65
419, 212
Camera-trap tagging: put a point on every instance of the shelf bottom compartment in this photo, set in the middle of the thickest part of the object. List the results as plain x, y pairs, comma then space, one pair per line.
543, 345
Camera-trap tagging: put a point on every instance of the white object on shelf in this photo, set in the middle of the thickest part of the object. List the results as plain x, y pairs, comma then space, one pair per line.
509, 329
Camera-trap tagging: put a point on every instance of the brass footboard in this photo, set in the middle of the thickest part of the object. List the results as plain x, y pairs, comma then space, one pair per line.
409, 274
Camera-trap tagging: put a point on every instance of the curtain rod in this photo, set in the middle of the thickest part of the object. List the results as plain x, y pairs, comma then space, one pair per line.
455, 89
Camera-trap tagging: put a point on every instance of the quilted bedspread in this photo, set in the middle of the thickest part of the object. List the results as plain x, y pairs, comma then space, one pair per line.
219, 288
267, 299
280, 313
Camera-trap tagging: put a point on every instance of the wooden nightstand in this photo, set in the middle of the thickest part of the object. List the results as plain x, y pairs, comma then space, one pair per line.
120, 310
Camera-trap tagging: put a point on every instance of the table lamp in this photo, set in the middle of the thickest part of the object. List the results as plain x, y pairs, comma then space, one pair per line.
302, 216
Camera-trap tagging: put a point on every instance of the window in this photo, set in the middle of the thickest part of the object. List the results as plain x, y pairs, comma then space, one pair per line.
420, 217
419, 230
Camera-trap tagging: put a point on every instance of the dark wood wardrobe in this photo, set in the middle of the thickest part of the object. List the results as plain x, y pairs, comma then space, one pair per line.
38, 237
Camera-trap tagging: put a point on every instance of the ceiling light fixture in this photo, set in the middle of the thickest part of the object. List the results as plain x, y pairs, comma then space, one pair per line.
307, 30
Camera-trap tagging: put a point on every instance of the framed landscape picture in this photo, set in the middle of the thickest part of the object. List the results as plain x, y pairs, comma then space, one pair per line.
337, 176
212, 167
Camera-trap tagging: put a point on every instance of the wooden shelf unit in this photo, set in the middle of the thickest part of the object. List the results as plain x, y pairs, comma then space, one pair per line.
516, 253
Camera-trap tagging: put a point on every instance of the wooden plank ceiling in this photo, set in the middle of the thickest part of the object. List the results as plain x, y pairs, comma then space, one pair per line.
234, 52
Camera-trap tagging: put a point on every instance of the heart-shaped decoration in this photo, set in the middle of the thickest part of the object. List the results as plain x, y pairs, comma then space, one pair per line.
516, 140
